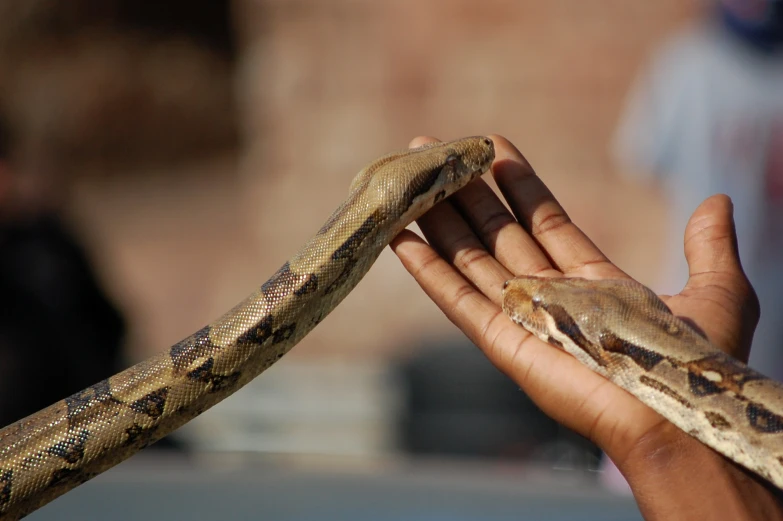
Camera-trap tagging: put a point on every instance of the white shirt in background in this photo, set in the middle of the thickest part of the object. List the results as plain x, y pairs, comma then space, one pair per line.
706, 117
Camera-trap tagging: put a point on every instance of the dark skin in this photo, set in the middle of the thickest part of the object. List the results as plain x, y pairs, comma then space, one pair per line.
474, 244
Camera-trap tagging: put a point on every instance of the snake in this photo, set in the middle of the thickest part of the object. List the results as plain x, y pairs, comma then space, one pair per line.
62, 446
618, 328
623, 331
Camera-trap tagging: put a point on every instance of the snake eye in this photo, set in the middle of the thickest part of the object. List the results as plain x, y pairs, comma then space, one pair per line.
452, 160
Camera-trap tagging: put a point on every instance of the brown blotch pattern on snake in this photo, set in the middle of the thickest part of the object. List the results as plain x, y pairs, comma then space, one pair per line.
186, 351
70, 449
152, 404
717, 420
568, 326
719, 373
762, 419
665, 389
6, 484
644, 358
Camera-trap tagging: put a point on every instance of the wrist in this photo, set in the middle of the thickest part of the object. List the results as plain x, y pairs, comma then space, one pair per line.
673, 476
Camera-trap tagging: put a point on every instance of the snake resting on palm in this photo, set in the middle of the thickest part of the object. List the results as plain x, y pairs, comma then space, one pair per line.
619, 329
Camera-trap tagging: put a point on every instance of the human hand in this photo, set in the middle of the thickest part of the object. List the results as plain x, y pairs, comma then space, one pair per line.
476, 244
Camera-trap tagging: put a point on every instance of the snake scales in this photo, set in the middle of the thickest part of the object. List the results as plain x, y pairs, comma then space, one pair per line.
64, 445
618, 328
623, 331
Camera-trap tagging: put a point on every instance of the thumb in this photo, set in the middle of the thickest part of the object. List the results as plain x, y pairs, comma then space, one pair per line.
723, 295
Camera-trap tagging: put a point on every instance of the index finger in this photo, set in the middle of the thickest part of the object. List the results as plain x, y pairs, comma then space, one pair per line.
539, 212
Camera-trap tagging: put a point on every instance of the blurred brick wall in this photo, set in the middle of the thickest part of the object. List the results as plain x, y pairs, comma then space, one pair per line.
327, 86
549, 74
324, 87
110, 87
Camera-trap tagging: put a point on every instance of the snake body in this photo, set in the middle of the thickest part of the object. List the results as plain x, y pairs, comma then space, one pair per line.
620, 329
623, 331
66, 444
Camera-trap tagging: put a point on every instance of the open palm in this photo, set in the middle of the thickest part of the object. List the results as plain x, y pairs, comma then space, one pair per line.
475, 244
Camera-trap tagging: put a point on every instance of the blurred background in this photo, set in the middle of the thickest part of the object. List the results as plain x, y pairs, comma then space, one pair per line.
158, 161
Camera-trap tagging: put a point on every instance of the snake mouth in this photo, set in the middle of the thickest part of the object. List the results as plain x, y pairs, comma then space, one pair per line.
517, 303
486, 165
523, 308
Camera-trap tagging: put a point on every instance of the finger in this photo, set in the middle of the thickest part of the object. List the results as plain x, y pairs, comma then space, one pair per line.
500, 232
452, 237
422, 140
570, 250
462, 303
716, 280
559, 384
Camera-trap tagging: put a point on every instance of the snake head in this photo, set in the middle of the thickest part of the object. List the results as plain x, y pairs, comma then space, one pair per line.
447, 167
465, 159
576, 308
410, 184
523, 299
553, 308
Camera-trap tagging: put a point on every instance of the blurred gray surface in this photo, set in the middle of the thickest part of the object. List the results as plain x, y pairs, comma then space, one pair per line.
161, 487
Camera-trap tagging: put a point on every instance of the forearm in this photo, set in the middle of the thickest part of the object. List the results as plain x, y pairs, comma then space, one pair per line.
675, 477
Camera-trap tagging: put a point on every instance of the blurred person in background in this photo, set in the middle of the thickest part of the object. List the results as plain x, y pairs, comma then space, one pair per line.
102, 88
59, 333
706, 117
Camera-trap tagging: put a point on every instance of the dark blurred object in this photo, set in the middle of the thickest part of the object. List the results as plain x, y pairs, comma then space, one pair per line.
758, 23
5, 141
58, 331
705, 116
458, 403
105, 86
208, 23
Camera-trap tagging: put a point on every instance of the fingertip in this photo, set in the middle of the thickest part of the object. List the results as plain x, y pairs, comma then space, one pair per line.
422, 140
710, 237
506, 151
718, 206
712, 253
504, 143
714, 264
403, 239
